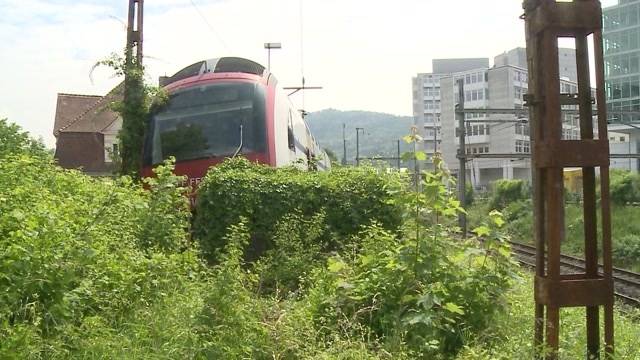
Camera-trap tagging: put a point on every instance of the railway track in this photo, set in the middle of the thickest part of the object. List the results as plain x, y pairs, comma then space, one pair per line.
626, 283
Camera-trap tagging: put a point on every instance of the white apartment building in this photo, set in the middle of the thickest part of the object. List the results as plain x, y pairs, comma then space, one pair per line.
426, 96
500, 87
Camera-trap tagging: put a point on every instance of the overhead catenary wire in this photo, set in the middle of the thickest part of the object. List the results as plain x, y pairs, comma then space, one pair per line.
211, 28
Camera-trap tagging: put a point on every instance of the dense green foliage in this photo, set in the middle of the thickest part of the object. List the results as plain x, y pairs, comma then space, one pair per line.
15, 141
506, 192
78, 252
100, 268
625, 231
624, 187
350, 198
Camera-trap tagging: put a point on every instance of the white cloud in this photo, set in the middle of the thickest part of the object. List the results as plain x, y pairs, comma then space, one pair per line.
363, 52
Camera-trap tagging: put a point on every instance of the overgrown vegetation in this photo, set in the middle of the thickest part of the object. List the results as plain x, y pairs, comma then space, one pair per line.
518, 212
506, 192
95, 268
624, 187
134, 110
15, 141
347, 199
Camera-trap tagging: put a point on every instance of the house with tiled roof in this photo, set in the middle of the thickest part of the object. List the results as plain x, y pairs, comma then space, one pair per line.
86, 131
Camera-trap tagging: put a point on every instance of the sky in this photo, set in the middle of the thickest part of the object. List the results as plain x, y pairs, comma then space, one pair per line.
362, 52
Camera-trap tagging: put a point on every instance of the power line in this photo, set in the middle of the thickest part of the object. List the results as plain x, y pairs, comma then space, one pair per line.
211, 28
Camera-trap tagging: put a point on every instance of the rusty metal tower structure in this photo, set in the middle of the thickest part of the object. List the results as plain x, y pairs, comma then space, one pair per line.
545, 22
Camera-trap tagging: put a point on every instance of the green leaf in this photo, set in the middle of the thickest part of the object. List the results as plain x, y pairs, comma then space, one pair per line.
481, 230
420, 155
451, 307
336, 265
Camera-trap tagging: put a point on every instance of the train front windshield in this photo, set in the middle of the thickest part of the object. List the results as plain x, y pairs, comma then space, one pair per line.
206, 121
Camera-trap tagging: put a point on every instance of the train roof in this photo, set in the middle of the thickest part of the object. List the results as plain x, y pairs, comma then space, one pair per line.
217, 65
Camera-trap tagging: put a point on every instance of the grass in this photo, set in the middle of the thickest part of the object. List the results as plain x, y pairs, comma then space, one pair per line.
511, 336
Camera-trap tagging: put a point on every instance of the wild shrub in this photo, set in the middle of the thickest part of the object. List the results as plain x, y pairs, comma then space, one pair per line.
71, 252
626, 251
508, 191
624, 187
423, 289
349, 197
297, 251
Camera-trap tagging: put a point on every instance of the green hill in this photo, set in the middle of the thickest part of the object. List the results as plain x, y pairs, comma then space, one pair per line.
381, 132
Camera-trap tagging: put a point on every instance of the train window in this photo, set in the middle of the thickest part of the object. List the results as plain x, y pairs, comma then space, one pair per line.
205, 121
290, 136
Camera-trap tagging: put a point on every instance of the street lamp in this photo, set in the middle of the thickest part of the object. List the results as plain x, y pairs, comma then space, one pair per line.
358, 144
270, 46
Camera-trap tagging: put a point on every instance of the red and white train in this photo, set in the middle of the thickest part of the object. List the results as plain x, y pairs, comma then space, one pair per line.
224, 107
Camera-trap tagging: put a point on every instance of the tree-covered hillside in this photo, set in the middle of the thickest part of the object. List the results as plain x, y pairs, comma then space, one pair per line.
381, 132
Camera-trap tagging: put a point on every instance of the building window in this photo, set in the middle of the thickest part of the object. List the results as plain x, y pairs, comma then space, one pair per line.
519, 146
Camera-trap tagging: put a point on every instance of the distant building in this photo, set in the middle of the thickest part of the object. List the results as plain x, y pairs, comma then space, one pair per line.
426, 96
500, 87
621, 35
518, 57
86, 131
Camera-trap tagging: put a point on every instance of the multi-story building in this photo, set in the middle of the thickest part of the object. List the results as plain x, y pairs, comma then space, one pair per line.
621, 33
426, 96
500, 87
518, 57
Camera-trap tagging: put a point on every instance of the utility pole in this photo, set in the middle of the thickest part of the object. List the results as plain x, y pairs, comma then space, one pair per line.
133, 94
344, 145
358, 145
462, 170
134, 33
398, 142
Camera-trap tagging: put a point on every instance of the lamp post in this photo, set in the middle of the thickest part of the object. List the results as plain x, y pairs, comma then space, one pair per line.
358, 144
270, 46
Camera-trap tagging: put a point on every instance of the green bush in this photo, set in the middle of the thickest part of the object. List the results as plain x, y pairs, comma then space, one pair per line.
350, 198
624, 187
468, 194
74, 255
626, 250
508, 191
424, 293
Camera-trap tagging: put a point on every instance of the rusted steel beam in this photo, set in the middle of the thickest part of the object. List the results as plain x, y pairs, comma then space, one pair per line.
545, 22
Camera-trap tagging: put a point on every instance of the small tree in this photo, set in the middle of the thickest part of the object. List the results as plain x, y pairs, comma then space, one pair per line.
15, 141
